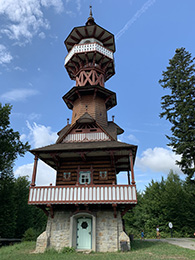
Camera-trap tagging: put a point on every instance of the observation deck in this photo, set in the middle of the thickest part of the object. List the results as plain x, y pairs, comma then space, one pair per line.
89, 194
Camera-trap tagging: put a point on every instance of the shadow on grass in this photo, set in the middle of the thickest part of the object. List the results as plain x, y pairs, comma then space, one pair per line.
142, 244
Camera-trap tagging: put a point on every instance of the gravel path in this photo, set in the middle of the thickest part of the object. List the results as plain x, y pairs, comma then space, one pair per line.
182, 242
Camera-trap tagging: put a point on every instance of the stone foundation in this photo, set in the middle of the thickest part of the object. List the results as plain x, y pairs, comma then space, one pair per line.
107, 232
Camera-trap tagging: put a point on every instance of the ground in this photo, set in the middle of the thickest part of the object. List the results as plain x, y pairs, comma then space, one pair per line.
182, 242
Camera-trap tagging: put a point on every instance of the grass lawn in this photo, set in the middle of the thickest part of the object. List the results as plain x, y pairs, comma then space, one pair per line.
141, 250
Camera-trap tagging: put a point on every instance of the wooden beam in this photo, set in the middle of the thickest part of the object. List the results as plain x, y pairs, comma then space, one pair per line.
83, 156
106, 39
106, 66
70, 43
74, 38
80, 61
69, 101
86, 32
56, 159
108, 99
128, 175
94, 31
79, 34
115, 212
44, 210
131, 165
101, 34
34, 170
95, 92
94, 56
87, 59
51, 210
78, 94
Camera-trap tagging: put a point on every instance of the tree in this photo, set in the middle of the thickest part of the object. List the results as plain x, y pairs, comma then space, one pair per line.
178, 108
170, 200
7, 204
10, 144
10, 148
27, 217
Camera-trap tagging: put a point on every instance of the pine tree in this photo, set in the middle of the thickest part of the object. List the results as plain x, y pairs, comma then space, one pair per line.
179, 108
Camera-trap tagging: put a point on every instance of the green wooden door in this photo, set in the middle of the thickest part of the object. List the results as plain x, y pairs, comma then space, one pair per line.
84, 233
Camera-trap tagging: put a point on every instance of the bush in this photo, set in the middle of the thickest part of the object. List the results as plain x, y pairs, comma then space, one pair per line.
68, 250
30, 235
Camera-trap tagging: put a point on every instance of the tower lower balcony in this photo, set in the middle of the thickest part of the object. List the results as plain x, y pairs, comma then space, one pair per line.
88, 194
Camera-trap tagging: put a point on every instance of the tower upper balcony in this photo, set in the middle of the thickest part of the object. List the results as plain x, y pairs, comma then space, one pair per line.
90, 59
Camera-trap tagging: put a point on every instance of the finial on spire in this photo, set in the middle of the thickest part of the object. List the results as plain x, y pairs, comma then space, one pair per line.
90, 14
90, 20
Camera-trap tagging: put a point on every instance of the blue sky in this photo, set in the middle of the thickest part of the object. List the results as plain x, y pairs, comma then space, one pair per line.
33, 78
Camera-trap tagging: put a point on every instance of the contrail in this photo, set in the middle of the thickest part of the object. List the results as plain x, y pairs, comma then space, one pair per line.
142, 10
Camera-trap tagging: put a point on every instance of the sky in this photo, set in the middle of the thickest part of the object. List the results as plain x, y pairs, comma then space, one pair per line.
33, 78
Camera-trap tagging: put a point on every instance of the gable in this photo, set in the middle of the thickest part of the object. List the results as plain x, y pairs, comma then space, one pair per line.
86, 132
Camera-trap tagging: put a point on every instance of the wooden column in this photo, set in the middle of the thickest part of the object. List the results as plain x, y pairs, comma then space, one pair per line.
34, 170
128, 178
132, 170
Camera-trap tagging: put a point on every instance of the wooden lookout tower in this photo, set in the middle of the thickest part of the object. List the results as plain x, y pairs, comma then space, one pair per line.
86, 205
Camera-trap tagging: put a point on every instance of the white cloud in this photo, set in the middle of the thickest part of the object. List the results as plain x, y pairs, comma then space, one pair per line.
57, 4
42, 35
142, 10
45, 174
19, 69
41, 135
132, 138
78, 4
34, 116
18, 94
5, 56
158, 160
38, 136
24, 18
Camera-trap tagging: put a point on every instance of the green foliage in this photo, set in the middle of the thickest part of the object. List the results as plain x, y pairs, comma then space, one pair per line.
140, 250
170, 200
16, 216
68, 250
178, 107
30, 235
10, 144
7, 206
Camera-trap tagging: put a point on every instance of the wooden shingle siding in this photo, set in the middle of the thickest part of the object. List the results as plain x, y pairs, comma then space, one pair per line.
94, 106
94, 166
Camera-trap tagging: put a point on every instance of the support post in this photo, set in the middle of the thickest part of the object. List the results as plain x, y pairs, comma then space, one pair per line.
34, 170
128, 175
132, 170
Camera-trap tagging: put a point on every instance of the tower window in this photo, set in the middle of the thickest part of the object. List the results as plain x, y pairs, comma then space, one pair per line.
85, 177
103, 175
67, 176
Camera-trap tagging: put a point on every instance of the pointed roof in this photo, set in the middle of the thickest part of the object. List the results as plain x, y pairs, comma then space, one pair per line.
90, 20
84, 119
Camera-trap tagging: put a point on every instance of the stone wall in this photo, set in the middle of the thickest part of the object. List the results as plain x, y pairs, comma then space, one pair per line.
57, 234
108, 230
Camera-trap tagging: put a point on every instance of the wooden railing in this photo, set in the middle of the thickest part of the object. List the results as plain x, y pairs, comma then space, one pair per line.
89, 47
90, 194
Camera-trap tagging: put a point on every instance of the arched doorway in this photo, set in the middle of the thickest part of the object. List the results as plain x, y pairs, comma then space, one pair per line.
84, 233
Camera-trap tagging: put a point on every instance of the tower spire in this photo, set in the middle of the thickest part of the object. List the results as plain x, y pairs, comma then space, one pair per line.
90, 20
90, 14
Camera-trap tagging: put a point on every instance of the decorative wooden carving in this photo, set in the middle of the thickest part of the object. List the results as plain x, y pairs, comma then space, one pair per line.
91, 77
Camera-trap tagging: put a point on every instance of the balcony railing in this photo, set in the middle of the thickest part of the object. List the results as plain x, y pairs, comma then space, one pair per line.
89, 47
95, 194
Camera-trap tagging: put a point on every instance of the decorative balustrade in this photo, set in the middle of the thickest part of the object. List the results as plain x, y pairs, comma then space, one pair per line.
89, 47
86, 137
90, 194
